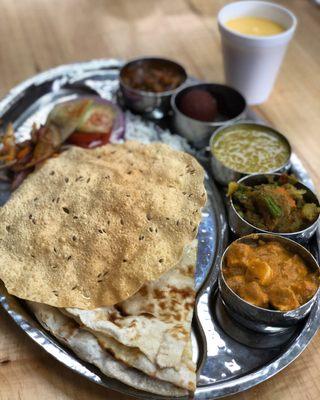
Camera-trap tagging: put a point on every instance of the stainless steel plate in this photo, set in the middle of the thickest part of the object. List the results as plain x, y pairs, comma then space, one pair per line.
225, 366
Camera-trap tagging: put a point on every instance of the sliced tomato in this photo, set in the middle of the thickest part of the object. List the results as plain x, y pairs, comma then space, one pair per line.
89, 139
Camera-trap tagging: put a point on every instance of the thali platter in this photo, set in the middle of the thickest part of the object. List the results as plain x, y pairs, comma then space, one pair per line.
225, 365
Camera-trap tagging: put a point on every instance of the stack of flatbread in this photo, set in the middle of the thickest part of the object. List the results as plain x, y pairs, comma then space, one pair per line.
102, 245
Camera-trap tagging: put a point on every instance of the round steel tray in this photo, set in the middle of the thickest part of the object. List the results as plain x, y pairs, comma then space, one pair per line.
225, 366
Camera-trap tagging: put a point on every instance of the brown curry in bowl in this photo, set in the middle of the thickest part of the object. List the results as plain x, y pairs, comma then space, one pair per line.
153, 75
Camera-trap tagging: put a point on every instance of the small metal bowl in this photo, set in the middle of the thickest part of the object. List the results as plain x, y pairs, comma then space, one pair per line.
262, 319
231, 108
151, 104
241, 227
224, 174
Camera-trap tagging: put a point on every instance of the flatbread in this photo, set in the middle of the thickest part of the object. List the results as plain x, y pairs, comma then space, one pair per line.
87, 347
151, 330
90, 227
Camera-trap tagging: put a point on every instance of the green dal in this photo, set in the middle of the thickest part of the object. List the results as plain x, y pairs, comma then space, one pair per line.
250, 150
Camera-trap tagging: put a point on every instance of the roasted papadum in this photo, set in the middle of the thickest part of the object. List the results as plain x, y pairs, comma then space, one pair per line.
90, 227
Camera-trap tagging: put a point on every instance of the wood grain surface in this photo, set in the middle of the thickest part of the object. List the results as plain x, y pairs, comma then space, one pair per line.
39, 34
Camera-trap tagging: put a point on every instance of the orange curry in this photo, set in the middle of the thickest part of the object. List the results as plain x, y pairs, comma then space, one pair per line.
268, 275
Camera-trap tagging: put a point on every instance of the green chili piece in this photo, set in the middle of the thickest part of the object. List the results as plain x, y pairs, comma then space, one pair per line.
274, 209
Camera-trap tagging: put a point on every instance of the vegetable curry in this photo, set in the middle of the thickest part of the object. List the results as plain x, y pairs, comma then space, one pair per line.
268, 275
278, 206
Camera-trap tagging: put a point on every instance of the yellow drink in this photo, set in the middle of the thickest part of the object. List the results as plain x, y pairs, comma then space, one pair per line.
255, 26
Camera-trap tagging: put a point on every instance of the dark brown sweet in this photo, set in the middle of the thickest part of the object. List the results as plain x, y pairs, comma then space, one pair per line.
199, 104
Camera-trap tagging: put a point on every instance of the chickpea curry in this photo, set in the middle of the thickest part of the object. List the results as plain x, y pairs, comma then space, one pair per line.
268, 275
152, 76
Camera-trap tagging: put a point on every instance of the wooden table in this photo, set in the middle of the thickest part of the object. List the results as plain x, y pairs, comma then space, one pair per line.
39, 34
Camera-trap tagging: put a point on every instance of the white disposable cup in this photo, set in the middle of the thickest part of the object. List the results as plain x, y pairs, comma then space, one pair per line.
251, 63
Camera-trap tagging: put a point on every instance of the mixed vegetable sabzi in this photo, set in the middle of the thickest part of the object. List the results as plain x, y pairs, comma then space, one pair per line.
278, 206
